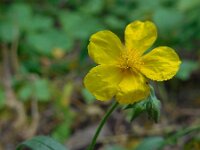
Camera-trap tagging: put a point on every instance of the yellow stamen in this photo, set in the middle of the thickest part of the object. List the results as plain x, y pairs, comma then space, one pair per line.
130, 59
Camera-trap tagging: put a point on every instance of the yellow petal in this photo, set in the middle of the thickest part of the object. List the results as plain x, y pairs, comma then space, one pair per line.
132, 88
139, 36
104, 47
162, 63
102, 81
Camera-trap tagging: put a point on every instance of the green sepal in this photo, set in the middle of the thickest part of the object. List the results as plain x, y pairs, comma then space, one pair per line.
138, 109
151, 105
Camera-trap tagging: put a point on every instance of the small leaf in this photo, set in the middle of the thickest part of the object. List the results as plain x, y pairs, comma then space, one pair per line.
151, 143
41, 143
62, 131
41, 90
25, 92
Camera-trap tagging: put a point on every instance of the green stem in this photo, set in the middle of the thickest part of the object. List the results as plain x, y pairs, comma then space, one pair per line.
171, 139
108, 113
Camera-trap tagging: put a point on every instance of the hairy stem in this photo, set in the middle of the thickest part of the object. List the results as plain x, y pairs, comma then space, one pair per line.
108, 113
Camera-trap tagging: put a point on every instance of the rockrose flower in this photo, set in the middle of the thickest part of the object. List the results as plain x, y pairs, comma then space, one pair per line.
123, 70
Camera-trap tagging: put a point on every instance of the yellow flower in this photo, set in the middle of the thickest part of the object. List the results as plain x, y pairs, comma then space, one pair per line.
122, 70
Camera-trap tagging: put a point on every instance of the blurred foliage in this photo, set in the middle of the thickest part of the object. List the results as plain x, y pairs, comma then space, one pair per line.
158, 142
114, 147
50, 38
41, 143
193, 143
150, 143
187, 67
2, 98
54, 27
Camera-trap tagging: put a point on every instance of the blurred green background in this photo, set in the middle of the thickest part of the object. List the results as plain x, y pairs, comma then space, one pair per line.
43, 59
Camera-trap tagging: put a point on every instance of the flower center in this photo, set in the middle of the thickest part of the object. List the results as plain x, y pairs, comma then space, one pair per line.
130, 60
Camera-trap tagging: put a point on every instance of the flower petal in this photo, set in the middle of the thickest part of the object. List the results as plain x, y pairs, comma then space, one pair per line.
139, 36
102, 81
132, 88
162, 63
105, 47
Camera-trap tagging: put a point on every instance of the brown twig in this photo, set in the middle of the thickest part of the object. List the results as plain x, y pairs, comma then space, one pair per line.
32, 128
14, 55
11, 100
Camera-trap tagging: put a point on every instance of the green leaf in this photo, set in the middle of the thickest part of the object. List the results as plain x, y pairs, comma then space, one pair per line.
93, 6
32, 64
121, 11
20, 15
149, 4
38, 89
60, 40
2, 98
62, 131
186, 5
186, 69
45, 42
41, 90
25, 92
173, 139
76, 26
114, 22
151, 143
8, 32
40, 22
40, 42
41, 143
